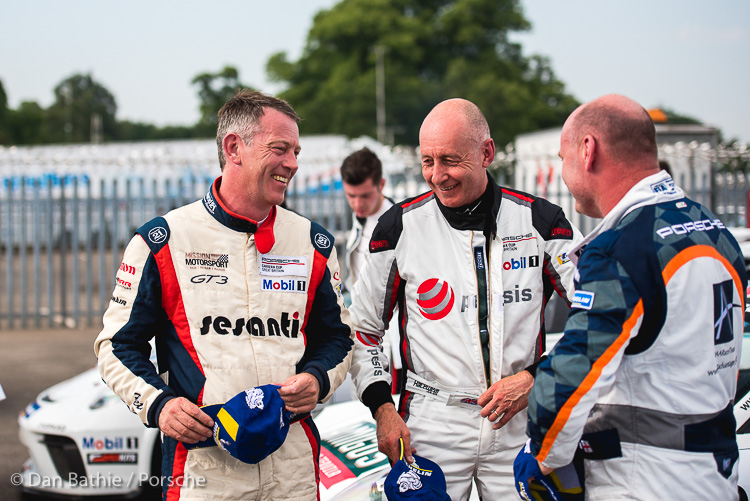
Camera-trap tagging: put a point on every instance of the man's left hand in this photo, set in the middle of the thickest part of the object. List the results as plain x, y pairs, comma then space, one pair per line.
506, 398
300, 392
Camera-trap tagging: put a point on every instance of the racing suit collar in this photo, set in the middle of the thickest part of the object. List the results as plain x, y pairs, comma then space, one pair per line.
480, 215
264, 237
654, 189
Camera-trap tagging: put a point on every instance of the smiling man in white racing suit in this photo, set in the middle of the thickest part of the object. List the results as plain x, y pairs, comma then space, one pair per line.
471, 267
238, 293
643, 381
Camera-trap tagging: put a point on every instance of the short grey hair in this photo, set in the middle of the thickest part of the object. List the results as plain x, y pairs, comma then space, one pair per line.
242, 113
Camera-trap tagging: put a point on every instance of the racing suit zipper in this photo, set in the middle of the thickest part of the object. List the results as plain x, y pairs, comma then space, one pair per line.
480, 267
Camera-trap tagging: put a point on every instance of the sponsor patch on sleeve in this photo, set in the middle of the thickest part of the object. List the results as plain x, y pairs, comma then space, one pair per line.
583, 300
563, 258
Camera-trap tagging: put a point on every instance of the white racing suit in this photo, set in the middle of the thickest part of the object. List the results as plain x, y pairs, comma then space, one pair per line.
644, 379
471, 296
232, 305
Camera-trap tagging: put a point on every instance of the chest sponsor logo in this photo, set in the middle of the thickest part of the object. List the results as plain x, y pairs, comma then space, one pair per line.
157, 235
210, 279
563, 258
583, 300
517, 295
689, 227
435, 298
521, 262
280, 266
207, 260
519, 238
469, 302
723, 318
255, 326
284, 285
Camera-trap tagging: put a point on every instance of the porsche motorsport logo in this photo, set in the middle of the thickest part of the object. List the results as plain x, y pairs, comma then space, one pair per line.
435, 298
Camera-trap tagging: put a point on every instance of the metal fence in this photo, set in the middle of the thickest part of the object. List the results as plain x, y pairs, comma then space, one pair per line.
62, 238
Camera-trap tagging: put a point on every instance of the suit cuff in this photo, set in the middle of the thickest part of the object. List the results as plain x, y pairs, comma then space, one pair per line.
376, 395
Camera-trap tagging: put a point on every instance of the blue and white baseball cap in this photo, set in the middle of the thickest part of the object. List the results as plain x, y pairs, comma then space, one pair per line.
421, 480
250, 426
563, 484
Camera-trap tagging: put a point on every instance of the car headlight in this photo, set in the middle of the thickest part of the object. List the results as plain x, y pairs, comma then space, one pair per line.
99, 402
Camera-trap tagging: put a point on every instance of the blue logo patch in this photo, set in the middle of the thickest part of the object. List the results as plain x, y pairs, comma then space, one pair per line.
723, 320
583, 300
666, 186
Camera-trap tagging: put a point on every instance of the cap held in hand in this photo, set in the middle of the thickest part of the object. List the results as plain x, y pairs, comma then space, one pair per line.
563, 484
421, 480
250, 426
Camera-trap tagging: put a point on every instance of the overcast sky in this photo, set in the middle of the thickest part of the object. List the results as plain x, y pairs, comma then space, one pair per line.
690, 56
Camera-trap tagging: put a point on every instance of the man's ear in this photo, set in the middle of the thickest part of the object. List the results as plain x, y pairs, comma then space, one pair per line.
231, 145
588, 152
382, 184
488, 152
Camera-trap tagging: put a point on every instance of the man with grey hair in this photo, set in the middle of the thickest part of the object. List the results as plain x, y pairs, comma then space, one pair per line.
470, 266
238, 293
642, 384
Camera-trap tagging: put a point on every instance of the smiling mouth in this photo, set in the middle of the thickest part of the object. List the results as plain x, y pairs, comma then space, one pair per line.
448, 188
281, 179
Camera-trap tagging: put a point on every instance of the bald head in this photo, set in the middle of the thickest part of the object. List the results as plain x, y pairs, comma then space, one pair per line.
460, 115
623, 128
456, 149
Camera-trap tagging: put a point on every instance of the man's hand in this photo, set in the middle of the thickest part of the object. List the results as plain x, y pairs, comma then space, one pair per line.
506, 398
545, 471
390, 427
181, 419
300, 392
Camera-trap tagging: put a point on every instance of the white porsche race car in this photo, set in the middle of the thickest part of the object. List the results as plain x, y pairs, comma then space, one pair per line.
84, 442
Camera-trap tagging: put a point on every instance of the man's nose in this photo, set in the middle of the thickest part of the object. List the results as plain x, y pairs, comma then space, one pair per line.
291, 163
438, 173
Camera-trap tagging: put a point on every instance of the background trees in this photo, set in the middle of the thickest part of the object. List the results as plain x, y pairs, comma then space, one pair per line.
214, 89
434, 49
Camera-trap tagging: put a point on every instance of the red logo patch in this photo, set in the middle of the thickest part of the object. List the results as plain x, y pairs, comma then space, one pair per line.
378, 244
435, 299
561, 232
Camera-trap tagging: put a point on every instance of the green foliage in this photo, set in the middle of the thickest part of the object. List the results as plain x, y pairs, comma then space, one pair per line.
435, 49
27, 124
78, 100
5, 130
215, 89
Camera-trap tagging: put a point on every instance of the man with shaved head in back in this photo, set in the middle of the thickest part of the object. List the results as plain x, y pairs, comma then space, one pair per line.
642, 384
470, 266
